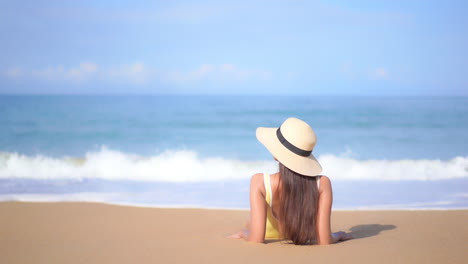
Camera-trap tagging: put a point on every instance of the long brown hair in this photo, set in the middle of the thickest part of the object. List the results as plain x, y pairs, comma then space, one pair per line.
298, 200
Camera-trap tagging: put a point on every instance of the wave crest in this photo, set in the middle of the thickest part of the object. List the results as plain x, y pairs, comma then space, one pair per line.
187, 166
169, 166
348, 168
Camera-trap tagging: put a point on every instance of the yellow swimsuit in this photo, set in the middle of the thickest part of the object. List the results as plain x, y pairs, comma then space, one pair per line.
272, 225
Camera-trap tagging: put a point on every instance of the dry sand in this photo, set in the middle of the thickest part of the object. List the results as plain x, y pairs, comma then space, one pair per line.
98, 233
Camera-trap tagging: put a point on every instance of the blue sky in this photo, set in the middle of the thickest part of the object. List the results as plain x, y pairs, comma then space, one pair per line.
409, 47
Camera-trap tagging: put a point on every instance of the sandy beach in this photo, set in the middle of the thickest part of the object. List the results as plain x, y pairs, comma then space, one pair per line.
100, 233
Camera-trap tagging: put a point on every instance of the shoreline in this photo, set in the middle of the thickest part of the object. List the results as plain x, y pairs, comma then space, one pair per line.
77, 232
182, 206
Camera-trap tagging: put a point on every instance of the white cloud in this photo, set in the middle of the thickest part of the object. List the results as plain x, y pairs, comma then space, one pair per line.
222, 72
83, 71
136, 73
354, 72
91, 71
379, 73
201, 72
139, 73
88, 67
49, 73
13, 72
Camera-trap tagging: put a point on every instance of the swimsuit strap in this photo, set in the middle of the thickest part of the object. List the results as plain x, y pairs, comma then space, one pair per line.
268, 195
271, 193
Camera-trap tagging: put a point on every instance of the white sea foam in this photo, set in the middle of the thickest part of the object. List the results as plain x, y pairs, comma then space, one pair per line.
169, 166
436, 205
187, 166
69, 197
348, 168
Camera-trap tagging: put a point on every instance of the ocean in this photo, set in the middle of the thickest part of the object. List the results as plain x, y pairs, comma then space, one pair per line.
381, 153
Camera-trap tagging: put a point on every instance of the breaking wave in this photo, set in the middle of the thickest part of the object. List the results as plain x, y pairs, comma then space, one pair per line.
188, 166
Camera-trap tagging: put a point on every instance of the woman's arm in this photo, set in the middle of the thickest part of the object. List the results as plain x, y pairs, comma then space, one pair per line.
255, 227
324, 234
257, 209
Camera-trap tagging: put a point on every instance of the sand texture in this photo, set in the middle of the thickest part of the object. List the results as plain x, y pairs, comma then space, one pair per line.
98, 233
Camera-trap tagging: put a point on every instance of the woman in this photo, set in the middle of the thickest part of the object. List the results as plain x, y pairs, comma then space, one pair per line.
294, 203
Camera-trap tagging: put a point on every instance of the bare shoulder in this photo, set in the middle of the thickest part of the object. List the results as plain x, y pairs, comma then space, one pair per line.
325, 183
256, 182
324, 179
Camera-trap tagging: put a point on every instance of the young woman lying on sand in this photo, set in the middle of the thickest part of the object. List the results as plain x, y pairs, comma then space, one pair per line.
294, 203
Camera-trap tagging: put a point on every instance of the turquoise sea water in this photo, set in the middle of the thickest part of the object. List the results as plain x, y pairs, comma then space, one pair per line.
199, 151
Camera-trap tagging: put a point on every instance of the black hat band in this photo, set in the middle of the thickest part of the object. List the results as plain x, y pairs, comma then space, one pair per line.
291, 147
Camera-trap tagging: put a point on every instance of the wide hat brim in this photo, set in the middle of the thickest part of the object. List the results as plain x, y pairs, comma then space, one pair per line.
307, 166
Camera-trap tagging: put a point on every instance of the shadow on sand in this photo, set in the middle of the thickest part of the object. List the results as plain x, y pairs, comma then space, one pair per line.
363, 231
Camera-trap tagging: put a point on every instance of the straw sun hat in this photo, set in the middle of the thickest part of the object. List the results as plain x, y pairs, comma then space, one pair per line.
292, 144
